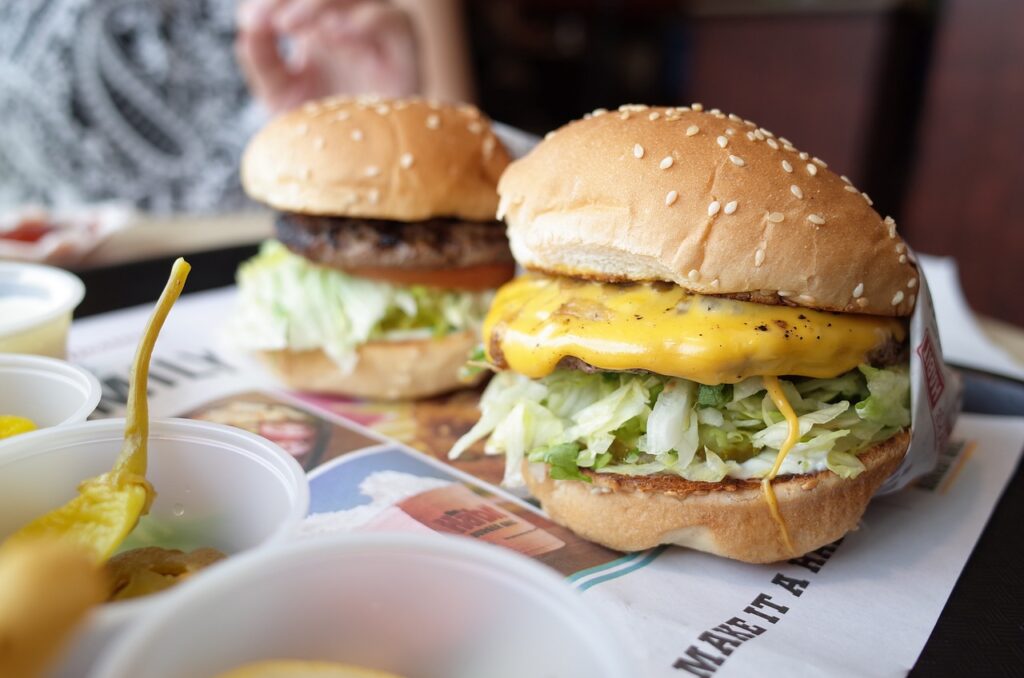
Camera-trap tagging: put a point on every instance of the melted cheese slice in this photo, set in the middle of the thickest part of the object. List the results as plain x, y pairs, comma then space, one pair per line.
536, 320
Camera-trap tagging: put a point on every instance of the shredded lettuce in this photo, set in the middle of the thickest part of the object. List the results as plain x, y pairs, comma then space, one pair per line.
640, 424
284, 301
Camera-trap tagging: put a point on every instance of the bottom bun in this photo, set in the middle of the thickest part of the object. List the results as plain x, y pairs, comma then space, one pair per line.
729, 518
385, 370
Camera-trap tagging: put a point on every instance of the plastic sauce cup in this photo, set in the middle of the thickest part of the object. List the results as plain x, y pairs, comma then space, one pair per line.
48, 391
36, 303
417, 605
228, 488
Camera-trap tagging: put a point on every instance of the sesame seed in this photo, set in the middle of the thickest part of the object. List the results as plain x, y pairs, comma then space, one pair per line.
749, 123
912, 283
715, 111
911, 299
888, 220
654, 115
433, 121
795, 190
751, 137
489, 143
475, 127
786, 166
638, 151
812, 169
691, 130
858, 291
730, 207
383, 109
737, 160
785, 141
900, 247
804, 155
624, 115
666, 162
372, 171
903, 258
846, 179
851, 189
862, 302
599, 111
693, 275
373, 195
897, 298
815, 219
806, 299
730, 131
776, 217
722, 141
671, 197
713, 208
357, 135
786, 293
682, 109
719, 115
697, 107
774, 145
405, 160
714, 284
867, 198
818, 161
789, 147
549, 135
319, 143
765, 132
759, 135
735, 118
758, 257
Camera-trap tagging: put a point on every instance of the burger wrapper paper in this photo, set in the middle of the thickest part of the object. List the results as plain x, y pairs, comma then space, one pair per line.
936, 393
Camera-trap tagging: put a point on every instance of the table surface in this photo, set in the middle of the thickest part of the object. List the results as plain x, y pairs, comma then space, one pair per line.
981, 630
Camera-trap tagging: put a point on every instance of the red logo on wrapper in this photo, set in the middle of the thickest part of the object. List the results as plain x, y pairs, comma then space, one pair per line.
932, 369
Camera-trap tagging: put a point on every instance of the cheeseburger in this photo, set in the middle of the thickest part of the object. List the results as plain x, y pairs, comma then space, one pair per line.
710, 346
387, 251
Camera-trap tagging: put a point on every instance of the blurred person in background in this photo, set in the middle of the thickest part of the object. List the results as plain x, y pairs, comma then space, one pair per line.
144, 102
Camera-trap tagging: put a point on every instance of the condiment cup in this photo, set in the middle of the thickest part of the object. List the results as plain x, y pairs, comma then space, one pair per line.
216, 485
48, 391
416, 605
36, 303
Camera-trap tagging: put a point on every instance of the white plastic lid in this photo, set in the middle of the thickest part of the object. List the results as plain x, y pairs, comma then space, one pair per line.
32, 294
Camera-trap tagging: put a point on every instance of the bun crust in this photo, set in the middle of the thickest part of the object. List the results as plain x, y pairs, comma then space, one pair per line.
706, 201
406, 160
729, 519
385, 370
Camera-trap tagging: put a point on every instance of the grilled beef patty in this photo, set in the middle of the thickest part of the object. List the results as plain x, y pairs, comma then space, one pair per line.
352, 243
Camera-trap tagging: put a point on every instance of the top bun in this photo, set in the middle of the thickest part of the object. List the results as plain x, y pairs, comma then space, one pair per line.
709, 202
404, 160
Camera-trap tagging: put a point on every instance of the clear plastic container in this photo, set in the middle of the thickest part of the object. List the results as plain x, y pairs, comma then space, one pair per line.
36, 303
48, 391
219, 485
416, 605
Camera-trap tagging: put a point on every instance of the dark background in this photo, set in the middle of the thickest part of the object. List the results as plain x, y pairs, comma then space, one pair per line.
921, 104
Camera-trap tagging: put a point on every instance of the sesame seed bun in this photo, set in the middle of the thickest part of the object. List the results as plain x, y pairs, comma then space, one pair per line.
729, 518
405, 160
385, 370
709, 202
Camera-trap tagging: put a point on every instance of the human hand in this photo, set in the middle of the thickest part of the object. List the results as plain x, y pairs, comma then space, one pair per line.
333, 47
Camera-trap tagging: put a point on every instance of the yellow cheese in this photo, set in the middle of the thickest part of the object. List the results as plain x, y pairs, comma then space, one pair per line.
536, 320
778, 397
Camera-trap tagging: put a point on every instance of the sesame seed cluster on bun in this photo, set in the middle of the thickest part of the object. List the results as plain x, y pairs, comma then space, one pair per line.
404, 160
708, 201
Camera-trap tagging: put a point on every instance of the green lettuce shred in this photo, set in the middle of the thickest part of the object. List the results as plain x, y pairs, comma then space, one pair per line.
286, 302
641, 424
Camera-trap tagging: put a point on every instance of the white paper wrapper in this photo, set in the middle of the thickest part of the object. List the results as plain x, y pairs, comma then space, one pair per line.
75, 232
935, 395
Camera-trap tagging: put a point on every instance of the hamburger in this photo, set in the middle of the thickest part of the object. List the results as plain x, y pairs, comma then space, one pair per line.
710, 345
386, 249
